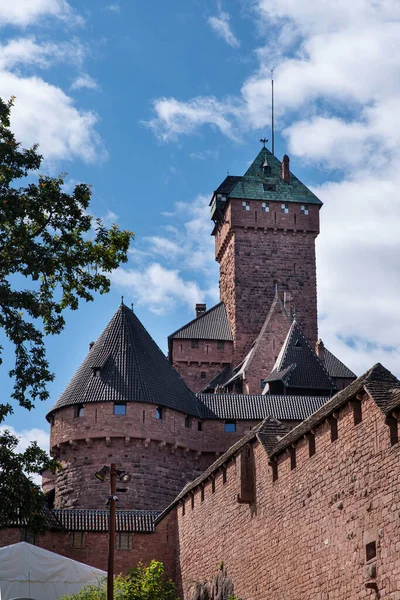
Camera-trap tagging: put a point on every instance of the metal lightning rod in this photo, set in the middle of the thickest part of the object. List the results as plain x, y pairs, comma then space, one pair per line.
272, 113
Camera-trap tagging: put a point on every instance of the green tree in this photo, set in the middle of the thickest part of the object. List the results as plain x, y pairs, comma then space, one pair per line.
142, 583
22, 501
53, 254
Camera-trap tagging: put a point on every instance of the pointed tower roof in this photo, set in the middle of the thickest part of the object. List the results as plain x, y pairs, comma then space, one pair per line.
264, 182
298, 366
126, 365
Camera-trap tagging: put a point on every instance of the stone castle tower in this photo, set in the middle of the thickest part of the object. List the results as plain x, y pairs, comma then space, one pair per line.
265, 226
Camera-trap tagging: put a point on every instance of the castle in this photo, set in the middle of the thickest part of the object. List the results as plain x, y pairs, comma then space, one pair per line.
251, 445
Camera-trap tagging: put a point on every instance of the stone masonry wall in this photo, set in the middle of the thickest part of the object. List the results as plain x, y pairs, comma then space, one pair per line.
312, 533
257, 250
144, 547
162, 455
198, 366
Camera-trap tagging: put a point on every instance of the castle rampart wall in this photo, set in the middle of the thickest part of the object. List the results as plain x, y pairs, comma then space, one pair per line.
327, 528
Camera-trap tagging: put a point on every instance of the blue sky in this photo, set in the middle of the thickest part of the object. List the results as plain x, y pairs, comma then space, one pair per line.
153, 103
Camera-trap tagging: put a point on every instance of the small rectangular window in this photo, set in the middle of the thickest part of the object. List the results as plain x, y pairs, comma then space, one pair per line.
79, 411
285, 208
292, 452
265, 207
195, 344
304, 209
334, 429
202, 493
159, 412
124, 540
183, 508
245, 205
311, 444
119, 408
192, 501
370, 551
230, 426
357, 411
203, 375
213, 485
200, 426
78, 539
262, 384
274, 467
188, 421
223, 475
220, 345
393, 429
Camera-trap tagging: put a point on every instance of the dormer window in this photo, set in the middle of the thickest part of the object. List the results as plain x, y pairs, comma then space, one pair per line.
284, 209
245, 205
269, 187
304, 209
96, 372
265, 206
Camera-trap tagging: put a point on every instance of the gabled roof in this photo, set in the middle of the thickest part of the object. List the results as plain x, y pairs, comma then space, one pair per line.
268, 432
133, 369
211, 325
220, 379
298, 366
251, 185
336, 368
139, 521
255, 407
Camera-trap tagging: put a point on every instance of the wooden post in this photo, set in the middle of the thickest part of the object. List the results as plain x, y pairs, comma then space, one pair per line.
111, 531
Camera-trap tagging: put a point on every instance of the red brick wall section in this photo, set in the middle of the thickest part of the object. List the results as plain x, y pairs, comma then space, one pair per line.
192, 362
256, 252
161, 455
144, 547
305, 535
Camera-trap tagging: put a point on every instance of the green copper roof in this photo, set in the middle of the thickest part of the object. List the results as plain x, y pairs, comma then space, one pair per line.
255, 183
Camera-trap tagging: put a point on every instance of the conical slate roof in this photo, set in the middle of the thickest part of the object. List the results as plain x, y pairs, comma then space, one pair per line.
259, 183
126, 365
298, 366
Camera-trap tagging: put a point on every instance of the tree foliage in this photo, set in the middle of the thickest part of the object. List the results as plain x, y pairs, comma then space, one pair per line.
22, 501
53, 254
142, 583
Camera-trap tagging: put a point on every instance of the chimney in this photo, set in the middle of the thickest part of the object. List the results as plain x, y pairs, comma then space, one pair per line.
285, 169
320, 350
200, 310
91, 345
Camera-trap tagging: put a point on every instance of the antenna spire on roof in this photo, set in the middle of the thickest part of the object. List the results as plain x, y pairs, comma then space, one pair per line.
132, 306
122, 300
272, 113
263, 141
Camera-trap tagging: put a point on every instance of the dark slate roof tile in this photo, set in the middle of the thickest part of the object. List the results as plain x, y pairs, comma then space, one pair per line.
133, 369
336, 368
220, 380
257, 407
139, 521
227, 185
298, 366
211, 325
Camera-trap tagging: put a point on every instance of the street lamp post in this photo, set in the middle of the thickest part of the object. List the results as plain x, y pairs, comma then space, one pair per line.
111, 530
124, 477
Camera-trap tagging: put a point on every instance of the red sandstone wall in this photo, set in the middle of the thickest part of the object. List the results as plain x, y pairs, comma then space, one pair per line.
267, 248
161, 455
145, 547
304, 537
192, 362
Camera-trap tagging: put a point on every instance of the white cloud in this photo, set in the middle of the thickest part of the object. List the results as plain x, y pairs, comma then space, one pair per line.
43, 113
176, 269
115, 7
158, 288
28, 51
174, 118
85, 81
220, 24
26, 12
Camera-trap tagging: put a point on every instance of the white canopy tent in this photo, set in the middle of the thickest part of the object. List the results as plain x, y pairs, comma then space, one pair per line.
27, 571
